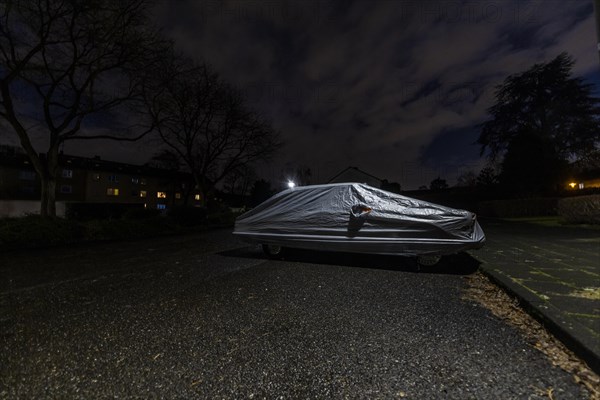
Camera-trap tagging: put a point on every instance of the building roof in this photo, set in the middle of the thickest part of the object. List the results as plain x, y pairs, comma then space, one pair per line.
355, 174
18, 159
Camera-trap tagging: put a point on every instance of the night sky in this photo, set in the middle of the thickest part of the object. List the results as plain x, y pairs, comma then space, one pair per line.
393, 87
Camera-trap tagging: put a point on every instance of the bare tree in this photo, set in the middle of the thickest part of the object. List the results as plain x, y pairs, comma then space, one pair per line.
238, 182
63, 61
206, 122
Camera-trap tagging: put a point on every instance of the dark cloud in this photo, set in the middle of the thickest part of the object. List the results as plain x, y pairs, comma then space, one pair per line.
394, 87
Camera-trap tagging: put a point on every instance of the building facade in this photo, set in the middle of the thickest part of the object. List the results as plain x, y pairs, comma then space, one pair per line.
96, 181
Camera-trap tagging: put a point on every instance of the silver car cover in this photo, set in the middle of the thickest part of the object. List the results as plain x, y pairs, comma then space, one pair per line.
355, 217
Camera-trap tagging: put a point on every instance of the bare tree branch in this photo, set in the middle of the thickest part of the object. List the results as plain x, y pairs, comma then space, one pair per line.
71, 60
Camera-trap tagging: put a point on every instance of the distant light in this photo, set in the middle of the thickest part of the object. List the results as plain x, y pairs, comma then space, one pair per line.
291, 184
572, 184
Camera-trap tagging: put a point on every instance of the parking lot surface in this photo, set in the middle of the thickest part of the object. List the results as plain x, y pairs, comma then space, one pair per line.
205, 316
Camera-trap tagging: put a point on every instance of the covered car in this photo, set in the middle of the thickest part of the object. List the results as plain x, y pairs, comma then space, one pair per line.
355, 217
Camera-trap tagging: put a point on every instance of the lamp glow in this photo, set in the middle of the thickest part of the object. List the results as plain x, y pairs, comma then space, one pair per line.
291, 184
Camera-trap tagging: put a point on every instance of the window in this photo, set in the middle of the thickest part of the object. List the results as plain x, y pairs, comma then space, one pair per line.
135, 181
178, 195
113, 178
143, 193
142, 181
66, 189
27, 175
581, 186
67, 173
112, 192
161, 206
197, 197
96, 177
161, 195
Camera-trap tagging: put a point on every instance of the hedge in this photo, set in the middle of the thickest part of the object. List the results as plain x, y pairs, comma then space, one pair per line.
580, 210
533, 207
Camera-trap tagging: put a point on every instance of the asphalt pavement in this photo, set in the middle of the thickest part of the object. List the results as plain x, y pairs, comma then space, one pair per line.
555, 272
207, 317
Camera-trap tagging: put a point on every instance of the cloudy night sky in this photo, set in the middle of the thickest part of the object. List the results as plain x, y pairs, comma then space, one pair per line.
393, 87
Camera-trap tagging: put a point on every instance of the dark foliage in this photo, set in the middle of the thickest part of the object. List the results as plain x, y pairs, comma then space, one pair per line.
542, 118
261, 191
438, 184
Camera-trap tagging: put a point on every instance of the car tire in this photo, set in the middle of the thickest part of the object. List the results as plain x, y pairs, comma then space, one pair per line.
273, 251
428, 261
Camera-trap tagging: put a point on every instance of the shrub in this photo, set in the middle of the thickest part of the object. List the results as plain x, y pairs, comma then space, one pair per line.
581, 209
97, 211
533, 207
35, 231
188, 216
222, 218
140, 213
127, 228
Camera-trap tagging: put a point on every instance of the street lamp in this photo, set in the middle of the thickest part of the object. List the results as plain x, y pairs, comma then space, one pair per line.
291, 184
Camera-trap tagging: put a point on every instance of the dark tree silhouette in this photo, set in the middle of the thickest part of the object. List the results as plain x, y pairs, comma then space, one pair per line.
205, 122
467, 179
438, 184
542, 110
300, 174
531, 166
393, 187
238, 182
63, 61
261, 191
487, 178
165, 159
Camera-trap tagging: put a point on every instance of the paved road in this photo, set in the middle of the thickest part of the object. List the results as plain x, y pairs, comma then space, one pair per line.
204, 317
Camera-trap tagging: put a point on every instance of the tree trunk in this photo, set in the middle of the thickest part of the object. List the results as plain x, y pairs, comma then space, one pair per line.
199, 185
186, 193
44, 195
48, 206
51, 204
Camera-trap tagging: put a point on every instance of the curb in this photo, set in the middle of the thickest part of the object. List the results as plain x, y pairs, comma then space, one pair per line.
532, 305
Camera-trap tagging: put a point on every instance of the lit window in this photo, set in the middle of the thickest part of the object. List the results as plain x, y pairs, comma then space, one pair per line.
143, 193
197, 197
113, 178
581, 186
135, 181
112, 192
96, 177
177, 195
66, 189
67, 173
161, 206
161, 195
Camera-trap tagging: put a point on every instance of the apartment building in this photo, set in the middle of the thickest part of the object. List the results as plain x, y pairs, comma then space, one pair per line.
97, 181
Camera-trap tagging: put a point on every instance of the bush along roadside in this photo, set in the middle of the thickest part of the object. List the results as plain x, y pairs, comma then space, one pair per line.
580, 210
34, 231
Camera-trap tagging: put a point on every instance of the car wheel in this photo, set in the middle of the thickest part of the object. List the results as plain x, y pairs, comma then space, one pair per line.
428, 261
273, 251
